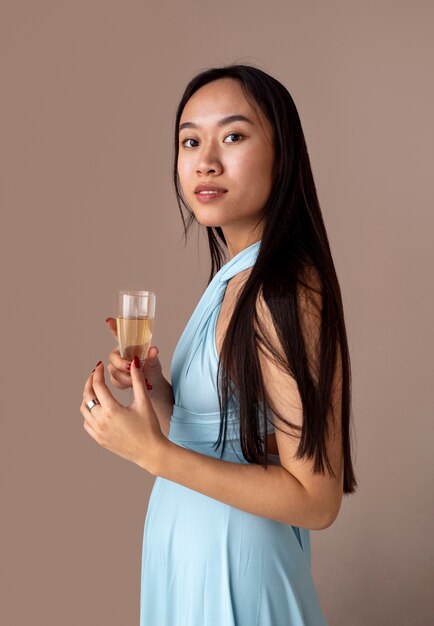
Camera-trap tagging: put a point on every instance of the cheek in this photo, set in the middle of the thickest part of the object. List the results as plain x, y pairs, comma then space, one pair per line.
183, 182
183, 168
257, 178
180, 170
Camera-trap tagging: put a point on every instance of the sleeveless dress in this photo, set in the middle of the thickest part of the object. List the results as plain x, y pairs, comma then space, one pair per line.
205, 563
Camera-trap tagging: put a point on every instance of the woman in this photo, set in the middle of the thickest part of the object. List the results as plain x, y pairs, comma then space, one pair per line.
250, 444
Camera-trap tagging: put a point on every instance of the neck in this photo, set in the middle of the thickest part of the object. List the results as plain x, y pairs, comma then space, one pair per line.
240, 241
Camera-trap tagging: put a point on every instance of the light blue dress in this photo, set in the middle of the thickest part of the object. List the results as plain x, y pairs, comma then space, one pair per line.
205, 563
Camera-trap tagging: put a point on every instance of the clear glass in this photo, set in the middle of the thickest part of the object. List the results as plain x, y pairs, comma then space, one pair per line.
135, 323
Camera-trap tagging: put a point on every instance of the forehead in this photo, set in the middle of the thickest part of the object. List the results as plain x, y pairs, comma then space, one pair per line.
217, 99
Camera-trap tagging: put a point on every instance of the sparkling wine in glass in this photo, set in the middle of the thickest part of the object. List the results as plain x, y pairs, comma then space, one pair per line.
135, 321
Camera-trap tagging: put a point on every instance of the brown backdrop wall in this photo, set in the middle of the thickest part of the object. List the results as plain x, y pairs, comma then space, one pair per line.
88, 97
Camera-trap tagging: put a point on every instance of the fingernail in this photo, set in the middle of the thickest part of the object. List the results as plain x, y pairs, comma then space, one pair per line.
136, 361
108, 319
99, 363
149, 387
129, 366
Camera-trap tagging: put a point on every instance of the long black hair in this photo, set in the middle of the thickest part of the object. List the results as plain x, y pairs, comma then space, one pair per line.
294, 246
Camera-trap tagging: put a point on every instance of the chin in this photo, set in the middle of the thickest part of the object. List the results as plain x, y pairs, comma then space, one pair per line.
208, 220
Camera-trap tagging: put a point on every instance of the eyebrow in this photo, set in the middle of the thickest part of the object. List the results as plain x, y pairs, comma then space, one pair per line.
222, 122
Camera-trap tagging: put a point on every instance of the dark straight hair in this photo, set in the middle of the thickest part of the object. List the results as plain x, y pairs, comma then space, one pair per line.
294, 246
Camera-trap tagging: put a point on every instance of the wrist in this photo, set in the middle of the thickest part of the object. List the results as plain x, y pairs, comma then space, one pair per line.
158, 385
162, 450
155, 389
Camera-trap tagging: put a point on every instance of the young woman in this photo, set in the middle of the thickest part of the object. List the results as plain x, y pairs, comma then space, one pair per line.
250, 443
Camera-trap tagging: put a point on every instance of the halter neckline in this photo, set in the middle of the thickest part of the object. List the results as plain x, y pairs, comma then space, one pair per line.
238, 262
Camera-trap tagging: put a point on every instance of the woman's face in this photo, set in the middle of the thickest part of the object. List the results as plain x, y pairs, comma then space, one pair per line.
236, 156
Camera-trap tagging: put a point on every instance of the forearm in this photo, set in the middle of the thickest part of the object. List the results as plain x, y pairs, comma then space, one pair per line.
273, 492
162, 400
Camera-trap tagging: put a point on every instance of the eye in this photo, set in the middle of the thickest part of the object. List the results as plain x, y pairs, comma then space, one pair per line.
188, 139
234, 135
184, 142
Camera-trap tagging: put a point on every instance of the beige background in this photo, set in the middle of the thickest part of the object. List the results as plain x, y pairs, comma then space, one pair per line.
88, 97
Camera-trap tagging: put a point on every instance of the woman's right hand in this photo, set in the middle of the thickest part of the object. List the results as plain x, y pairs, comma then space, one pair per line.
119, 368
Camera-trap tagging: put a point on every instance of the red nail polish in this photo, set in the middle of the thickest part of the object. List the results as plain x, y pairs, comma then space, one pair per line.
108, 319
149, 387
99, 363
129, 366
136, 361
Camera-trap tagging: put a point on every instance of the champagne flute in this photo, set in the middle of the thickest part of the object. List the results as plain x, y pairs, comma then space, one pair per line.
135, 321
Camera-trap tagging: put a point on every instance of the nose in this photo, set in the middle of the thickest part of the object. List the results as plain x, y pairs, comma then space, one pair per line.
208, 160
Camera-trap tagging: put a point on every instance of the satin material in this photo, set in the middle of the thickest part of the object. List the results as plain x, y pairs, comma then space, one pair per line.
205, 563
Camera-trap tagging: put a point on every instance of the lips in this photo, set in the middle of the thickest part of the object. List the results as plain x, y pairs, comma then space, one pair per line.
209, 187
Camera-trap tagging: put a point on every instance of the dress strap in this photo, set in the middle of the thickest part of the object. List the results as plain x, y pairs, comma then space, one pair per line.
241, 261
194, 333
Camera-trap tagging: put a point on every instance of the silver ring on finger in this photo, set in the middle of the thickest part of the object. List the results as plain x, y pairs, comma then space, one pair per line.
92, 403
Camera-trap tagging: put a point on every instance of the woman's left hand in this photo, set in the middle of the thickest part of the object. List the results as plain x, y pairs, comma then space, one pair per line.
133, 432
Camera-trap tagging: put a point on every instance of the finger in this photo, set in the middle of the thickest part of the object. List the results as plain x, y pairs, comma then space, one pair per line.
89, 392
121, 364
119, 379
139, 383
91, 415
102, 392
88, 395
152, 359
113, 327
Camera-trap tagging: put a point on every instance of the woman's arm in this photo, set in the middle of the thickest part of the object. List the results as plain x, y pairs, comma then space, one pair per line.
273, 492
290, 493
